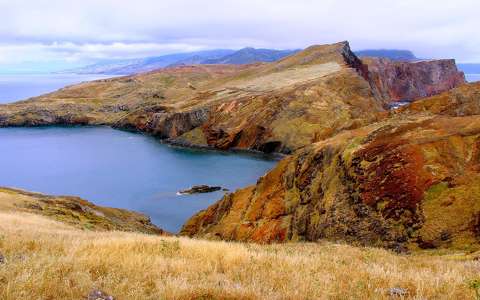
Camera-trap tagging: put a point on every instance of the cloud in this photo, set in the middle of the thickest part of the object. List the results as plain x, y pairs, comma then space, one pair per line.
90, 29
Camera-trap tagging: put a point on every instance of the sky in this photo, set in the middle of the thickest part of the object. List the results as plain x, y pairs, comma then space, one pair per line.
55, 34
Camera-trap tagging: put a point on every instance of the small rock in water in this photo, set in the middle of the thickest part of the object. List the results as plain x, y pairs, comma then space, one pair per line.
196, 189
2, 259
99, 295
397, 292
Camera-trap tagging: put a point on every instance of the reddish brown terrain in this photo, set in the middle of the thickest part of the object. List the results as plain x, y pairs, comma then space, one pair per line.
408, 81
400, 183
410, 181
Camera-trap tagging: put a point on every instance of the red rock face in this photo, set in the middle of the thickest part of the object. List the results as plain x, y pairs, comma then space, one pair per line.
406, 182
407, 81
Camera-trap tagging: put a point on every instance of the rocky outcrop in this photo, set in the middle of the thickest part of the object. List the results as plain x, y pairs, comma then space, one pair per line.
200, 189
284, 106
408, 81
461, 101
76, 212
392, 186
163, 123
175, 124
410, 181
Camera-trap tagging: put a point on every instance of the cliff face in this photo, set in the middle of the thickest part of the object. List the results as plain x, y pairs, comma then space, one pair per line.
276, 107
410, 181
388, 190
461, 101
409, 81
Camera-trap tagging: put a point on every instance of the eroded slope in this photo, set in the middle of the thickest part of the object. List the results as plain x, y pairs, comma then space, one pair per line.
409, 181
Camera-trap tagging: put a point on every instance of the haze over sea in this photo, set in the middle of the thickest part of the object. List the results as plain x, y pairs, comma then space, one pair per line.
14, 87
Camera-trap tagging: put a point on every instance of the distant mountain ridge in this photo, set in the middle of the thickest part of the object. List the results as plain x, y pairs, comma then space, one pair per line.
393, 54
132, 66
220, 56
251, 55
227, 56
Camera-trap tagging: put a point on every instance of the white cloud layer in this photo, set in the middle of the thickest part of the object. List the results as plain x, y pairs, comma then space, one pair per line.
41, 30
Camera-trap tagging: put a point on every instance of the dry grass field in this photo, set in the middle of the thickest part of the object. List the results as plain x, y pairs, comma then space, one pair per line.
46, 259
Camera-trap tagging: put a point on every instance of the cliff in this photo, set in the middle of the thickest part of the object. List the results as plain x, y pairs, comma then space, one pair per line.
410, 181
408, 81
276, 107
461, 101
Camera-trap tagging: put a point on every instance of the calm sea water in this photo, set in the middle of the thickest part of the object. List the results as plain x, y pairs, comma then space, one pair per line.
121, 169
20, 87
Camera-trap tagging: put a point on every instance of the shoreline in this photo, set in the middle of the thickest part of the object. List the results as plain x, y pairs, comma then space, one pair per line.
276, 156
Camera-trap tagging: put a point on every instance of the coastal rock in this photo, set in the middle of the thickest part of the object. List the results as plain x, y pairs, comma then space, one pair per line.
397, 292
357, 172
461, 101
401, 183
200, 189
395, 81
99, 295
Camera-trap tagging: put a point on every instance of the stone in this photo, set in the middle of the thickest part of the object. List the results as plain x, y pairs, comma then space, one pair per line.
99, 295
3, 260
397, 292
200, 189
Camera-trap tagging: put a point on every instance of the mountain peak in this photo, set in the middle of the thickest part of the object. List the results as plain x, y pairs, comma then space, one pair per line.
318, 54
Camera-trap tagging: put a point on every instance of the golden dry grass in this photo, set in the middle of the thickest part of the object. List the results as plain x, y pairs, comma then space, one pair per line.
50, 260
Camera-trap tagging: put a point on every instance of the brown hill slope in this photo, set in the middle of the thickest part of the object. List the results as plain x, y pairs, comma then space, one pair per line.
461, 101
409, 181
275, 107
76, 212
